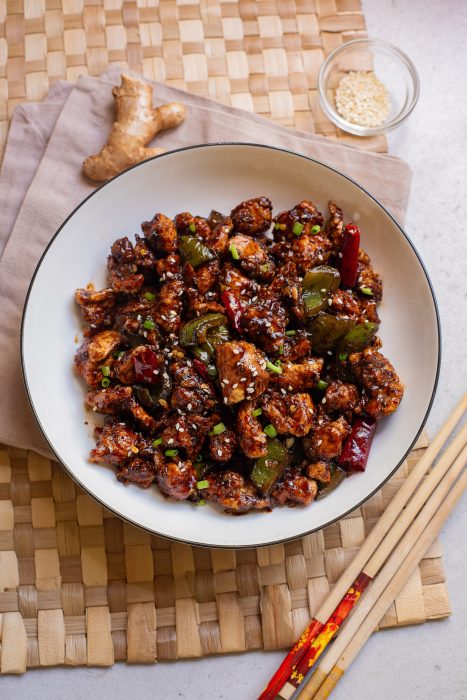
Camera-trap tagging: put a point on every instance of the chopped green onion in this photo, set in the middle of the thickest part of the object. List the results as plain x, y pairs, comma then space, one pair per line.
105, 369
201, 502
273, 368
279, 227
297, 228
342, 356
321, 385
171, 453
367, 291
257, 412
199, 458
105, 382
315, 229
289, 334
218, 429
149, 296
149, 324
281, 349
202, 484
192, 228
270, 431
157, 442
234, 252
120, 354
276, 226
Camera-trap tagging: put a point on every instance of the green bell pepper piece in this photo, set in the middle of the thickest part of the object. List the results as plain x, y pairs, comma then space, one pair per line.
358, 337
195, 331
194, 251
326, 331
337, 477
318, 284
268, 469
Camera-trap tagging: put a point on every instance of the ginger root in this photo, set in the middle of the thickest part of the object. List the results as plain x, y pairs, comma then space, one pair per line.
136, 124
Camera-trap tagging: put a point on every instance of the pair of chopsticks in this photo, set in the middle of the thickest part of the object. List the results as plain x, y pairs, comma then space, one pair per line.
387, 559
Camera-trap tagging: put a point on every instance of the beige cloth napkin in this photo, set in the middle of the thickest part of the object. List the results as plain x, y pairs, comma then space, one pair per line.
75, 123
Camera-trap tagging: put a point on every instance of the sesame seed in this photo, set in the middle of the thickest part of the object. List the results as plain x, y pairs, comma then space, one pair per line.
323, 400
249, 390
182, 430
194, 426
329, 352
319, 443
283, 391
164, 318
234, 386
219, 453
339, 255
225, 399
225, 381
236, 351
170, 441
324, 290
189, 407
169, 274
329, 302
227, 440
177, 426
243, 379
290, 387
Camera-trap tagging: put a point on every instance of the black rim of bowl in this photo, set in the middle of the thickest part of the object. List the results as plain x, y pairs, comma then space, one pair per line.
187, 540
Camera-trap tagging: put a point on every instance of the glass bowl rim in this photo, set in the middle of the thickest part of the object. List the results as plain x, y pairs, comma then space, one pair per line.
388, 49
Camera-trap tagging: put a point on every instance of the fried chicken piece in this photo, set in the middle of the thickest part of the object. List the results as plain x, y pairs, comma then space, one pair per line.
161, 234
326, 440
251, 435
137, 471
320, 471
341, 397
344, 303
124, 278
115, 442
294, 488
335, 224
185, 222
176, 479
303, 375
290, 414
92, 353
198, 304
169, 306
264, 322
205, 276
131, 315
304, 214
242, 373
232, 279
296, 348
288, 285
168, 267
97, 307
187, 432
377, 376
191, 393
218, 239
144, 258
252, 216
119, 399
253, 257
222, 446
122, 251
310, 251
367, 277
233, 493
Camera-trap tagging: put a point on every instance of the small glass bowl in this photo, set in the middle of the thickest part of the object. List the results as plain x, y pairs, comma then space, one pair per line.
390, 65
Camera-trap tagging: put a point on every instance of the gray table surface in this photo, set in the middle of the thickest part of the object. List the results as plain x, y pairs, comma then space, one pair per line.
429, 661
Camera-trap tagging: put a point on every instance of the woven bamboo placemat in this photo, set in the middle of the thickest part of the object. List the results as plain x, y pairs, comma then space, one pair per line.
77, 585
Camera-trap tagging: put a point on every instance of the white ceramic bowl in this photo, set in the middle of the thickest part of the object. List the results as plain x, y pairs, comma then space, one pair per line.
199, 179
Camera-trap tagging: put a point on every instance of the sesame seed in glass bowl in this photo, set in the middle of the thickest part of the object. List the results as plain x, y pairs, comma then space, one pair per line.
368, 87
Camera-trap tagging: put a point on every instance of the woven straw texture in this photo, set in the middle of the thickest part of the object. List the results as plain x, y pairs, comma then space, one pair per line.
77, 585
259, 55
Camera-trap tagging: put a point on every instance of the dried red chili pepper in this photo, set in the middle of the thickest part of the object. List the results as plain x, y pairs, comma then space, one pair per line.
348, 255
235, 309
147, 365
201, 368
356, 449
